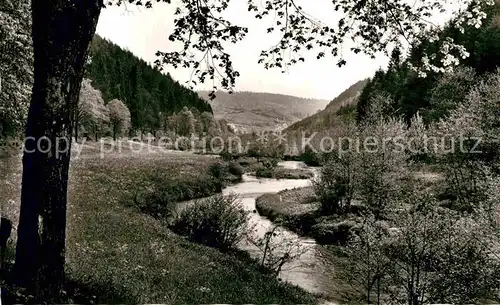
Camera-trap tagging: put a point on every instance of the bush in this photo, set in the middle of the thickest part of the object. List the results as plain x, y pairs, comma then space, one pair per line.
183, 143
162, 198
218, 222
269, 162
335, 188
227, 156
334, 232
236, 169
218, 173
255, 152
310, 158
246, 161
264, 172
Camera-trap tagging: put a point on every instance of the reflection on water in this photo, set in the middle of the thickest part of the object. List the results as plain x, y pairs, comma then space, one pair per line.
308, 271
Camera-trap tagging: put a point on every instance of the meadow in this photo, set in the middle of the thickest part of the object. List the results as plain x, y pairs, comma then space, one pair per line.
116, 253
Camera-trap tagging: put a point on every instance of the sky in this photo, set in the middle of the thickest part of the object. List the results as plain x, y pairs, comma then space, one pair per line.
145, 31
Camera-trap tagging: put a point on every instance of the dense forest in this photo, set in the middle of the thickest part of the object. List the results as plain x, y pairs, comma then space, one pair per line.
434, 96
118, 74
328, 117
149, 94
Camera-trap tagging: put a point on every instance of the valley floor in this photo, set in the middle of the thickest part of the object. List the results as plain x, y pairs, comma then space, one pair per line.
117, 254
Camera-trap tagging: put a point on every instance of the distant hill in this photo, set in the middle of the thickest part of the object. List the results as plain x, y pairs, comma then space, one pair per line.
254, 111
149, 94
327, 117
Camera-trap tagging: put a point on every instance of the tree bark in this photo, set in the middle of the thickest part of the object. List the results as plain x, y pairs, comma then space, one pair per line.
62, 31
76, 127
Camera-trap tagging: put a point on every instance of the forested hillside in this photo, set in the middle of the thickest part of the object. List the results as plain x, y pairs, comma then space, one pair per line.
149, 94
253, 111
326, 118
16, 67
434, 95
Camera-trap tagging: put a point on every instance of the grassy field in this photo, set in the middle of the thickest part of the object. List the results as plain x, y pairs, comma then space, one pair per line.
287, 203
117, 254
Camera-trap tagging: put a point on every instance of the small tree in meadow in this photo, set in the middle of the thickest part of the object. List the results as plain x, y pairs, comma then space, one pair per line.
185, 122
218, 221
119, 118
207, 121
92, 114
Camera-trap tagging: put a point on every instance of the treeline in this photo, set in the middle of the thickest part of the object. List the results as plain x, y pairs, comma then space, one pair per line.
436, 94
98, 118
149, 94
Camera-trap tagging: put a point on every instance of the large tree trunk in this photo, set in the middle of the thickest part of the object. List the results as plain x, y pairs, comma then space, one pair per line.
62, 31
76, 127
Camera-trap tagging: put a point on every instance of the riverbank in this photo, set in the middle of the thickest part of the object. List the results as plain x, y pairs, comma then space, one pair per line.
270, 168
115, 253
293, 208
298, 210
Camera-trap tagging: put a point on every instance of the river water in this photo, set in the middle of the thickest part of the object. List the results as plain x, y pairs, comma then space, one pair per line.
308, 271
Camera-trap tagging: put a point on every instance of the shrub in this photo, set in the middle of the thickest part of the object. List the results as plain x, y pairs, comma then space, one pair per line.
218, 173
277, 152
270, 162
283, 173
264, 172
452, 250
183, 143
334, 232
255, 152
246, 161
335, 188
218, 222
310, 158
227, 156
236, 169
162, 198
366, 267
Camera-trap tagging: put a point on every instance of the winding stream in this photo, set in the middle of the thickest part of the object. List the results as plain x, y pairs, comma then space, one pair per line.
309, 270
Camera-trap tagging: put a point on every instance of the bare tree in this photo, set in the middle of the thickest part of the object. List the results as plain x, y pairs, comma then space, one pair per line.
277, 249
92, 114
